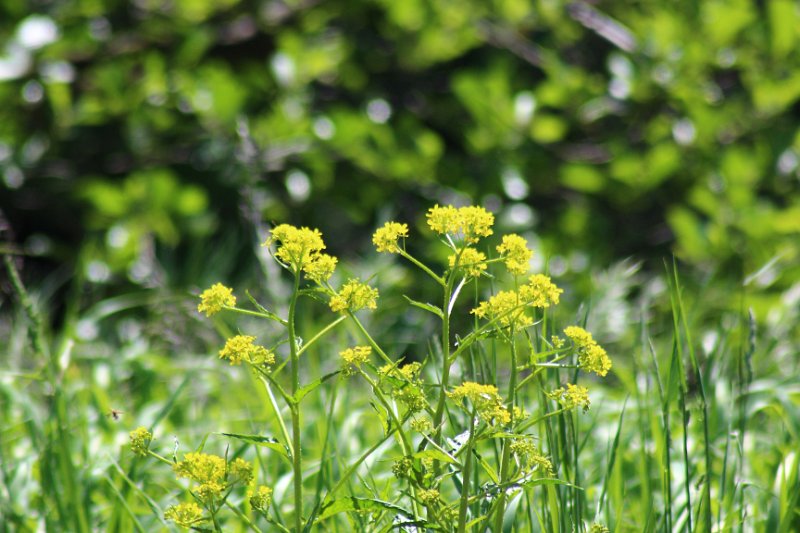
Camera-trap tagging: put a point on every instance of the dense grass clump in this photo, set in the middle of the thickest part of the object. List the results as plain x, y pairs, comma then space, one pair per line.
486, 406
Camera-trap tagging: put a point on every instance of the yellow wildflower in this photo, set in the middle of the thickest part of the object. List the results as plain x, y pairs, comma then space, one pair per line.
320, 268
184, 515
261, 498
209, 492
444, 219
240, 472
516, 254
591, 356
215, 298
385, 238
201, 467
530, 456
470, 260
412, 396
571, 397
140, 441
507, 308
428, 496
471, 223
485, 399
402, 467
300, 250
422, 424
354, 296
540, 292
354, 358
241, 348
598, 528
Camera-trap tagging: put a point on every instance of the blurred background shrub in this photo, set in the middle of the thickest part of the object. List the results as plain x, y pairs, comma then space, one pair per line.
150, 143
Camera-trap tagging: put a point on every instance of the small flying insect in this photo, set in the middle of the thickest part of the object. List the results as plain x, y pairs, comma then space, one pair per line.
115, 414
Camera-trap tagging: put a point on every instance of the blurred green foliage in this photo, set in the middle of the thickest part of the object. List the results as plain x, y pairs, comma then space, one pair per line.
609, 128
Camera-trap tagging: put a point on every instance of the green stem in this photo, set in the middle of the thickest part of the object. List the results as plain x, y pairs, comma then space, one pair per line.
242, 516
439, 413
506, 458
320, 334
462, 510
248, 312
297, 465
422, 267
369, 338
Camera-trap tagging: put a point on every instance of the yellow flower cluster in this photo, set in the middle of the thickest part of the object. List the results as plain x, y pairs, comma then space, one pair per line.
571, 397
213, 475
485, 399
353, 297
241, 348
140, 441
591, 356
213, 299
470, 260
598, 528
428, 496
540, 292
508, 307
261, 498
354, 358
530, 456
402, 467
471, 223
301, 250
185, 515
515, 253
421, 425
321, 268
385, 238
406, 385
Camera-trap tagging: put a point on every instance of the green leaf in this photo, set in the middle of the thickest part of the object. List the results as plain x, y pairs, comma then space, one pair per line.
350, 504
436, 455
425, 306
303, 391
263, 441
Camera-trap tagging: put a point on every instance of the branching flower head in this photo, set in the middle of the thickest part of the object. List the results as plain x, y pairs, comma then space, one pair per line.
428, 496
591, 356
201, 467
241, 348
540, 292
469, 223
300, 249
355, 357
213, 475
485, 399
354, 296
185, 515
261, 498
140, 441
507, 308
572, 396
240, 472
213, 299
530, 457
515, 253
385, 238
470, 260
320, 268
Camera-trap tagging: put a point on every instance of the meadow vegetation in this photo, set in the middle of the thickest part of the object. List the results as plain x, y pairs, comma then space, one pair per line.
328, 401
